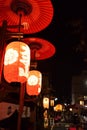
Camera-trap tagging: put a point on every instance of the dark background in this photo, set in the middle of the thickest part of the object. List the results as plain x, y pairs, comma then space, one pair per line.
67, 32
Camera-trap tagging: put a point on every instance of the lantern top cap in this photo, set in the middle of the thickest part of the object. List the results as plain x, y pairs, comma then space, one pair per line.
21, 7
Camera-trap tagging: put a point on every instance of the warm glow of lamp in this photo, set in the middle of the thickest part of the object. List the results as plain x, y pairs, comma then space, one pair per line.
58, 107
46, 102
52, 102
16, 62
70, 109
34, 81
82, 103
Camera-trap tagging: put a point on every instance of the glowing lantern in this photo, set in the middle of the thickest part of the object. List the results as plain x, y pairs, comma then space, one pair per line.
16, 62
33, 86
58, 107
46, 102
51, 102
82, 103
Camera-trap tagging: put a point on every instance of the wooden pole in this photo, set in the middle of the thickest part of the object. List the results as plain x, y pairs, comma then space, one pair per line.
21, 104
2, 46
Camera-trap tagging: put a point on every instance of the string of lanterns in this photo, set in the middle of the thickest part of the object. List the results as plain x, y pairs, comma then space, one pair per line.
28, 17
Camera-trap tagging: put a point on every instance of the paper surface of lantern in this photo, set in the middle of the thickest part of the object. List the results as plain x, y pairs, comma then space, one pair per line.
16, 62
33, 86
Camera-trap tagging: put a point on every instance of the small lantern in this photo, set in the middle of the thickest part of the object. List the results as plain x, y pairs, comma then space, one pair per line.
16, 62
52, 102
46, 102
33, 86
82, 103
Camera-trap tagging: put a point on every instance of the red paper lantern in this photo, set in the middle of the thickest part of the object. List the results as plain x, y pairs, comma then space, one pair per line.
16, 62
33, 86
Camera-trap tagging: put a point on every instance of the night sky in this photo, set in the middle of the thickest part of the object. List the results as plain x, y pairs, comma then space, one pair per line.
66, 62
60, 65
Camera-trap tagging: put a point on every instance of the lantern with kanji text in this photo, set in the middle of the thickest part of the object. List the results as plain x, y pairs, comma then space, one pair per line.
16, 62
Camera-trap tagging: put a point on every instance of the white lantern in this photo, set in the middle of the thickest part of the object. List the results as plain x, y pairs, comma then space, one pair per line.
46, 102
